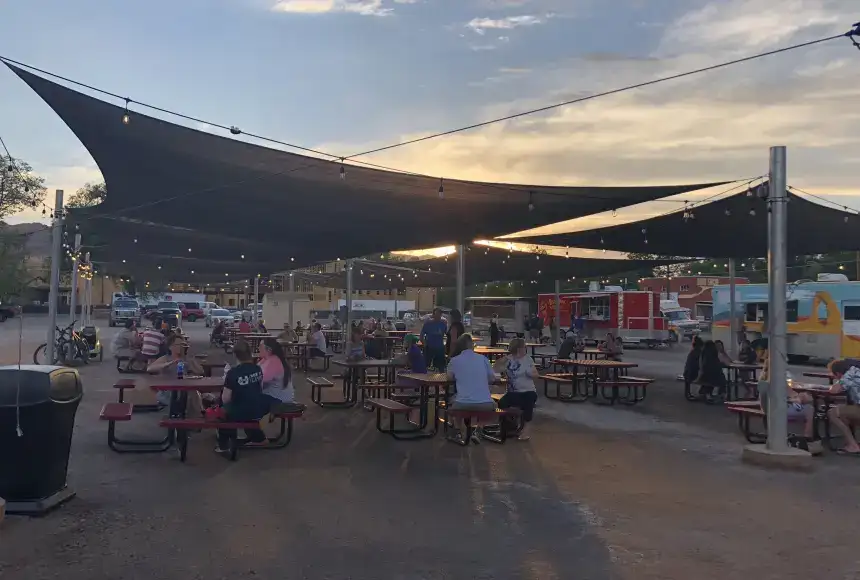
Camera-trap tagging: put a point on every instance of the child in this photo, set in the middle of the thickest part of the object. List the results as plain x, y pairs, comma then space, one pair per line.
354, 349
519, 368
242, 397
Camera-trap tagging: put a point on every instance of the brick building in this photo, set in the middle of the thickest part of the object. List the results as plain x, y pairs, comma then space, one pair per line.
693, 292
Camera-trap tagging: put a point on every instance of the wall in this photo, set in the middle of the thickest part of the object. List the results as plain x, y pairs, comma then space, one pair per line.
691, 290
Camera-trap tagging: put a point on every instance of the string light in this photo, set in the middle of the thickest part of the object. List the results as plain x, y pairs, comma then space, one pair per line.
126, 118
342, 169
531, 202
441, 189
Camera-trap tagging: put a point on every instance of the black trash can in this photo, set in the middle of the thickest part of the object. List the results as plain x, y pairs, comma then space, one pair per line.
33, 465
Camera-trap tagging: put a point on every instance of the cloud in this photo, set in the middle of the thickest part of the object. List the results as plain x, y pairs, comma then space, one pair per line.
710, 127
482, 25
362, 7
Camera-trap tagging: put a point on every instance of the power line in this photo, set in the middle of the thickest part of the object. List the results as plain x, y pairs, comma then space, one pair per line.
849, 35
824, 199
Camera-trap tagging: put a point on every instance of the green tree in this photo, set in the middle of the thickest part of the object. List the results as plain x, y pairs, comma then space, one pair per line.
13, 266
89, 195
20, 188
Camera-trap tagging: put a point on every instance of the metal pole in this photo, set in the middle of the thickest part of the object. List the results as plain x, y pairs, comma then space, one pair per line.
348, 299
256, 313
73, 299
733, 314
777, 427
56, 257
461, 278
292, 288
86, 302
557, 314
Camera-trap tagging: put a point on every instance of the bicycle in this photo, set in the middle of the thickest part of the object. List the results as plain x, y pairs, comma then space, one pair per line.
69, 346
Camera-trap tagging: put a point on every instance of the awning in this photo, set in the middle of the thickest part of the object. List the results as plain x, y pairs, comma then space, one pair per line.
289, 205
734, 226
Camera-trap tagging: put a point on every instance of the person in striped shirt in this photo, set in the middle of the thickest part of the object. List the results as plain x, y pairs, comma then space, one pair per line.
152, 341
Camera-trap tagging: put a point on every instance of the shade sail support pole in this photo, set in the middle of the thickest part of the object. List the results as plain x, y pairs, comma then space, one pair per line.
733, 313
557, 314
777, 426
461, 278
292, 288
54, 293
349, 267
256, 313
73, 297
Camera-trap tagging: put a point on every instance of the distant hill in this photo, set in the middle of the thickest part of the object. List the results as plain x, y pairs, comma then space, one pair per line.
38, 238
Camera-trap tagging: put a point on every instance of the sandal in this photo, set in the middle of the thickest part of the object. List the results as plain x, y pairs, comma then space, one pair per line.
849, 453
523, 438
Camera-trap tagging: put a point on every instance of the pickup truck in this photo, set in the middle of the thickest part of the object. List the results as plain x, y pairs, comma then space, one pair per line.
192, 311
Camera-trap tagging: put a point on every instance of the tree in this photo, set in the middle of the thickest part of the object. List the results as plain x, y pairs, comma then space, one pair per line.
89, 195
14, 276
19, 187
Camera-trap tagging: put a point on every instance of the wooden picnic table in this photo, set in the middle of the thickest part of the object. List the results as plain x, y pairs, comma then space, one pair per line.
822, 401
491, 353
820, 375
611, 369
735, 370
532, 345
356, 373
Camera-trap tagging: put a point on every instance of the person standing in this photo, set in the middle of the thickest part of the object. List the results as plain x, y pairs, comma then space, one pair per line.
494, 330
455, 331
433, 336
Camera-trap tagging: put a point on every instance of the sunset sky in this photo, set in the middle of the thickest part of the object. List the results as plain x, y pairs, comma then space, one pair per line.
348, 75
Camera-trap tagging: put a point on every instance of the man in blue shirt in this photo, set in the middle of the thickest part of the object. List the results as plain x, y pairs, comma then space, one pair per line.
433, 335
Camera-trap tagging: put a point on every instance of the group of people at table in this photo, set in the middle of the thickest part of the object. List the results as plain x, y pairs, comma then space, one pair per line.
252, 390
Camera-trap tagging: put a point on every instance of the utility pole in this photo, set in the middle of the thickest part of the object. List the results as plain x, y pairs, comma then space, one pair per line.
56, 257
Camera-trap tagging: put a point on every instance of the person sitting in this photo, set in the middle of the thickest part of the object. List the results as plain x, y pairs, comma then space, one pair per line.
799, 406
747, 355
288, 334
300, 330
277, 377
619, 349
317, 340
152, 343
691, 365
844, 417
261, 328
218, 333
724, 357
413, 362
354, 347
472, 375
611, 348
242, 398
519, 368
711, 374
167, 364
126, 343
245, 324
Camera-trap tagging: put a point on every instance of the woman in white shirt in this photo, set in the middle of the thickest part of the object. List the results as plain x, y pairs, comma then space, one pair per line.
317, 340
277, 377
520, 370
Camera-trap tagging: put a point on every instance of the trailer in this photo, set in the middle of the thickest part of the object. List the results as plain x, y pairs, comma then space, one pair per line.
631, 314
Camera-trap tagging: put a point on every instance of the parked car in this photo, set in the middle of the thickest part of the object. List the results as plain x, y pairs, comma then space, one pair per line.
192, 311
217, 315
124, 309
209, 307
9, 311
171, 313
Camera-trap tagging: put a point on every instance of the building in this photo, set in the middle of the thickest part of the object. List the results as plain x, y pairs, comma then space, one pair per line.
693, 292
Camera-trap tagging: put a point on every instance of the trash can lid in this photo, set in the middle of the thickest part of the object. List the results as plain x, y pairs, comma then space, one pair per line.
33, 384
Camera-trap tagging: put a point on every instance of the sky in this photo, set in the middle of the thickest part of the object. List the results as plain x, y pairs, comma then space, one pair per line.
346, 76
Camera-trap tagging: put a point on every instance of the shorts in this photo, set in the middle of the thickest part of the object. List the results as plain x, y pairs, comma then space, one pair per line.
524, 401
796, 411
849, 413
485, 407
315, 352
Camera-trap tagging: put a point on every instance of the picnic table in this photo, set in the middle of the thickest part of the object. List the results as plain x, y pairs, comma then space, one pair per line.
491, 353
356, 374
820, 375
532, 345
611, 371
735, 370
822, 400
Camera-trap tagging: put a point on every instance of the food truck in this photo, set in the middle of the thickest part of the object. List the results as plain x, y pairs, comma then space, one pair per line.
633, 315
823, 317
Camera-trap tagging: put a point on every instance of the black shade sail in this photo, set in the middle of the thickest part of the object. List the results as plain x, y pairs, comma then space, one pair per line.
369, 275
487, 264
734, 226
163, 173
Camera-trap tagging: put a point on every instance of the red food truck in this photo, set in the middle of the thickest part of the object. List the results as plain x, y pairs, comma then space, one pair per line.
631, 314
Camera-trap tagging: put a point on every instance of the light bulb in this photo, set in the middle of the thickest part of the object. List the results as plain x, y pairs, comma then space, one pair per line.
441, 189
126, 119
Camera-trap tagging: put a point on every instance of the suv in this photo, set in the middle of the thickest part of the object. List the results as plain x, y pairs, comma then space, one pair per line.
124, 309
191, 311
169, 312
